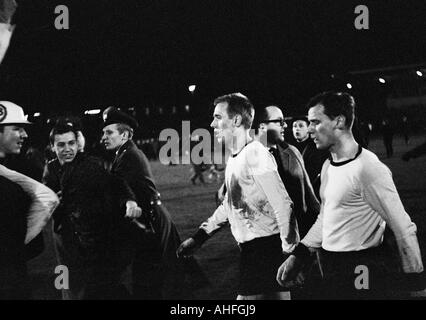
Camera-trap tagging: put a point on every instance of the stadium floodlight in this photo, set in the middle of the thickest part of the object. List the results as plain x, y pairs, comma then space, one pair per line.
37, 114
419, 73
93, 111
349, 86
191, 88
381, 80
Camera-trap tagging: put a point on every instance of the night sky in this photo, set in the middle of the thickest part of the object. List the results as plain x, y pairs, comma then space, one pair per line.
145, 53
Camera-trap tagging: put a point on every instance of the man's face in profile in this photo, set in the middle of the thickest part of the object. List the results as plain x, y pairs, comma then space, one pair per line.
12, 138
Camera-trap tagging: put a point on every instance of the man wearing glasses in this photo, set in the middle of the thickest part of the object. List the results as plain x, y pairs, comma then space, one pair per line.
290, 167
271, 125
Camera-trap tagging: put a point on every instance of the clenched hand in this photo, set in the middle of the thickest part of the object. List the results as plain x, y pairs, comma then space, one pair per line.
133, 211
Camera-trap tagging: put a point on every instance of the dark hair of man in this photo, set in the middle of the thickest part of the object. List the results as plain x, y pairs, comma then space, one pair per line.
263, 116
238, 104
61, 129
336, 104
260, 118
121, 127
301, 118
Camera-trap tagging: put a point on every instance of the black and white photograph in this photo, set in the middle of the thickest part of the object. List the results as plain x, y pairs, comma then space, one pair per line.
196, 152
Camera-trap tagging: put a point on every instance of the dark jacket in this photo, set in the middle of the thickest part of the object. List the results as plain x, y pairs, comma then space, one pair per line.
32, 168
90, 228
298, 185
52, 175
313, 159
91, 208
177, 277
13, 227
132, 165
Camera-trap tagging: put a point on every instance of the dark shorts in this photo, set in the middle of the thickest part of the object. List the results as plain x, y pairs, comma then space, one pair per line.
259, 263
365, 274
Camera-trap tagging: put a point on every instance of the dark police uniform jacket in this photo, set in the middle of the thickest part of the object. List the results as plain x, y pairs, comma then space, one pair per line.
172, 276
132, 165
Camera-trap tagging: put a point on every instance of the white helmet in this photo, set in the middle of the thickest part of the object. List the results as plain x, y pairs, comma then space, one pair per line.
11, 113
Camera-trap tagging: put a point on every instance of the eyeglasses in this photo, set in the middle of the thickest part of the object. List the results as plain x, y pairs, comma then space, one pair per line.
280, 121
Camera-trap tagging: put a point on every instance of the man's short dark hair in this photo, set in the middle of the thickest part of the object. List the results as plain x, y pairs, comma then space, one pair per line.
61, 129
336, 104
238, 104
301, 118
261, 117
70, 120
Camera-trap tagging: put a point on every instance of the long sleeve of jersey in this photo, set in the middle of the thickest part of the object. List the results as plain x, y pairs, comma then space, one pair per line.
43, 201
262, 166
383, 197
282, 206
218, 219
313, 238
